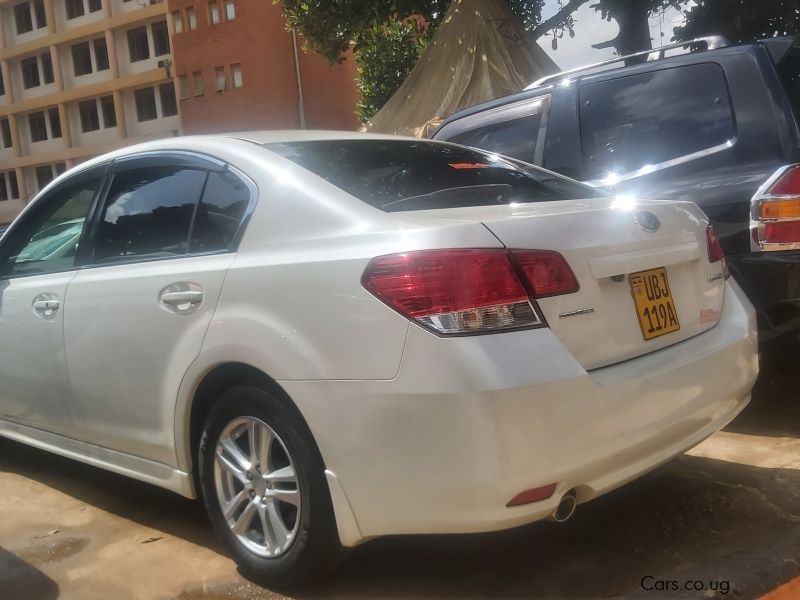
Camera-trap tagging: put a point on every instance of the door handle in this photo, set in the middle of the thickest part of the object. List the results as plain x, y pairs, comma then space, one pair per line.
46, 305
178, 298
181, 298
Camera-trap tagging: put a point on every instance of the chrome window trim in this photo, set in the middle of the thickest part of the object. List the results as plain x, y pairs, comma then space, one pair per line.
672, 162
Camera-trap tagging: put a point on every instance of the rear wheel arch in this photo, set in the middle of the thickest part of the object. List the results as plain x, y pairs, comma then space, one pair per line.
222, 378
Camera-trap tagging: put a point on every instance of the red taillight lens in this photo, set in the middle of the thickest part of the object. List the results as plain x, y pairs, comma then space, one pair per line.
715, 253
782, 232
788, 184
547, 272
458, 291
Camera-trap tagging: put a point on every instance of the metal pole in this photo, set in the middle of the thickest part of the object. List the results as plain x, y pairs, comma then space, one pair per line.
300, 107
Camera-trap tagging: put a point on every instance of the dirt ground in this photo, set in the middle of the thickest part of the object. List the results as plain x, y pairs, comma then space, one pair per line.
725, 518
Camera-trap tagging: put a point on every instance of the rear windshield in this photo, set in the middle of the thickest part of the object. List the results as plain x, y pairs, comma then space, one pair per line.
398, 175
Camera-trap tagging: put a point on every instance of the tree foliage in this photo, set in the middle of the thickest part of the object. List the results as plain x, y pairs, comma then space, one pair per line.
329, 26
740, 20
632, 17
384, 56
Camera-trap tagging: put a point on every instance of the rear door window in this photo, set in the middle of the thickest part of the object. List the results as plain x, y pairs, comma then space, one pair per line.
400, 175
220, 213
642, 120
148, 212
516, 138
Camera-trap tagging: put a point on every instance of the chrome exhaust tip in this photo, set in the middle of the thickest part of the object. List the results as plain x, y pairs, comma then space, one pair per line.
565, 508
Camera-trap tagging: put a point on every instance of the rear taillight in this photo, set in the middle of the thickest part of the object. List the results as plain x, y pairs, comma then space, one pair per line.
463, 291
715, 253
547, 272
775, 211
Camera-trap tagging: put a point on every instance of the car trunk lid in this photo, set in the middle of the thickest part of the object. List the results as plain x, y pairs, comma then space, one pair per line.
618, 249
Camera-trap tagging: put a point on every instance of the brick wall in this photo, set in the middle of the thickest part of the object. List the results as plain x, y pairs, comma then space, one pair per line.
268, 99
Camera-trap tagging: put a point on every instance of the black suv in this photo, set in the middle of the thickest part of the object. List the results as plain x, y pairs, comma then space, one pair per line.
705, 121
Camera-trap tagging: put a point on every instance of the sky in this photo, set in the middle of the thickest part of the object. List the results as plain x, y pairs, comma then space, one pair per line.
591, 29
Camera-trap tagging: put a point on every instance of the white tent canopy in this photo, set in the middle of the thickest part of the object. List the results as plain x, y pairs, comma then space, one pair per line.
479, 52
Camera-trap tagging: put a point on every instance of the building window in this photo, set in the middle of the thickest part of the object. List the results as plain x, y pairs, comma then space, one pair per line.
101, 54
191, 18
3, 188
2, 85
30, 72
197, 83
169, 106
95, 5
75, 9
230, 10
220, 81
109, 112
236, 75
81, 59
145, 104
38, 126
22, 16
47, 68
183, 82
5, 128
90, 120
160, 38
55, 123
61, 168
177, 21
138, 46
44, 175
213, 12
12, 180
41, 15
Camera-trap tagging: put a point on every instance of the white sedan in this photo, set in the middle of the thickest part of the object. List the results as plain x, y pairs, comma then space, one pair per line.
331, 337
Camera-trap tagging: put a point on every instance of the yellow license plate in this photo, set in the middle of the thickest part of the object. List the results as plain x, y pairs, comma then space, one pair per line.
654, 305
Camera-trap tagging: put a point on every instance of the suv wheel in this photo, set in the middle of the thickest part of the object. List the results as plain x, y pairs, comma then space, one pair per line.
264, 489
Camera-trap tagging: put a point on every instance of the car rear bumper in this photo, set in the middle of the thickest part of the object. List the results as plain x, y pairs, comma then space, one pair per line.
470, 422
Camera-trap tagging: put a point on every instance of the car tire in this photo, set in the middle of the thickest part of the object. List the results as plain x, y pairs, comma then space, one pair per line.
314, 546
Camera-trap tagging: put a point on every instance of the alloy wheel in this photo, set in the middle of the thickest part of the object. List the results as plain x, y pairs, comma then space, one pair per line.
257, 486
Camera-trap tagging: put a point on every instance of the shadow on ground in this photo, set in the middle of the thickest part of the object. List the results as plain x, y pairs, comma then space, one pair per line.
139, 502
775, 409
19, 579
693, 519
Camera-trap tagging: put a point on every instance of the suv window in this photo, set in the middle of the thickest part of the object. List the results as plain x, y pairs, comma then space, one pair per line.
148, 212
220, 213
789, 72
398, 175
515, 138
638, 120
49, 238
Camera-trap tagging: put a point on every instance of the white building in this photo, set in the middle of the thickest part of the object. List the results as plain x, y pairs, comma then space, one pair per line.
78, 78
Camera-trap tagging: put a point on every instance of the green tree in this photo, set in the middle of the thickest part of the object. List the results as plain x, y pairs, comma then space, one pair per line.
740, 20
632, 17
384, 56
330, 26
389, 36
